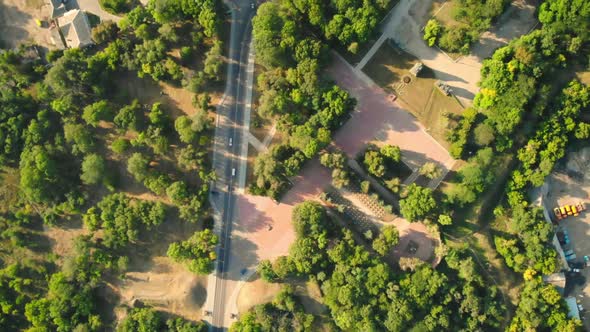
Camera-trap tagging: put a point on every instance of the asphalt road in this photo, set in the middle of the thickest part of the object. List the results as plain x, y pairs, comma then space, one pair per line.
226, 155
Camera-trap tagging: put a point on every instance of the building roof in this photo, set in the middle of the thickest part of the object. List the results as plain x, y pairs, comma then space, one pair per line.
574, 312
57, 8
56, 37
75, 28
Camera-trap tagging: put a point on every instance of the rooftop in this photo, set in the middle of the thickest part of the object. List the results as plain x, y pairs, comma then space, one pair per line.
75, 28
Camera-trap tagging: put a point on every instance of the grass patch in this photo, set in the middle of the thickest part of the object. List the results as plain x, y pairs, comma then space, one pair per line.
390, 66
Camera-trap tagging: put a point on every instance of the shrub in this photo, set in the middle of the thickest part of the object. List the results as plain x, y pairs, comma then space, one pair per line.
116, 6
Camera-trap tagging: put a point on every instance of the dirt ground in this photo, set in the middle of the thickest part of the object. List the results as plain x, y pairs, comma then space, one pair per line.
570, 189
256, 291
389, 66
166, 286
17, 23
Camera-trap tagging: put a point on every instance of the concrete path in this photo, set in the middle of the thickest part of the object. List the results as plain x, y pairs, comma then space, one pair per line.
246, 126
270, 135
258, 145
372, 51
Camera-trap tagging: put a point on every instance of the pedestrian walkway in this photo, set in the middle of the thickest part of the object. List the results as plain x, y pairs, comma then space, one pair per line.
246, 126
259, 146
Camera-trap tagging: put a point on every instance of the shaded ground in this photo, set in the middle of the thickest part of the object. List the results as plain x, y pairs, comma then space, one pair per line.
377, 118
390, 66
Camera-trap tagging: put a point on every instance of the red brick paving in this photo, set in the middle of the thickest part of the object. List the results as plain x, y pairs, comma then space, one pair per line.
375, 116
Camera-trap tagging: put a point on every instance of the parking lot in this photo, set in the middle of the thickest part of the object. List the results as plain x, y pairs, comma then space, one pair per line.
570, 186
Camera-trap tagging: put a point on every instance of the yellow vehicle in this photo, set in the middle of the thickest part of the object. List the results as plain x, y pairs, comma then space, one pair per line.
575, 210
568, 209
563, 213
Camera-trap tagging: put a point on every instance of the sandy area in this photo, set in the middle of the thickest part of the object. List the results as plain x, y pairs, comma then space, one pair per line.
256, 292
17, 22
167, 286
62, 239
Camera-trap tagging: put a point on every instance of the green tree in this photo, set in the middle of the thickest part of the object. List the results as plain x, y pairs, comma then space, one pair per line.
197, 253
430, 170
375, 163
184, 128
213, 61
93, 169
178, 192
128, 116
80, 138
417, 203
141, 319
393, 153
387, 239
120, 145
99, 111
432, 31
137, 165
484, 134
105, 31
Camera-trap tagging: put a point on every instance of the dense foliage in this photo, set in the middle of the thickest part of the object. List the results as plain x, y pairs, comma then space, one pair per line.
365, 294
197, 253
542, 308
307, 108
284, 313
58, 118
472, 18
149, 320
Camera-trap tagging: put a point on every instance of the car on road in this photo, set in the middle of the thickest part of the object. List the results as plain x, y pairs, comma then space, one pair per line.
231, 141
233, 172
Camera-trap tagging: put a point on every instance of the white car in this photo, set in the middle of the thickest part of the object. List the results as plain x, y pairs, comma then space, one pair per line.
252, 5
233, 172
231, 141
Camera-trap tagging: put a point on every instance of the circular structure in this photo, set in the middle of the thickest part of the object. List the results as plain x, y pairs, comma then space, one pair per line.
406, 79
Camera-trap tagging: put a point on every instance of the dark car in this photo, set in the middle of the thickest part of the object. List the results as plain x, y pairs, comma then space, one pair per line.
576, 265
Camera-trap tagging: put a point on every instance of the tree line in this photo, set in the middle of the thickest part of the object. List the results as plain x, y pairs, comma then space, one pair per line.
364, 293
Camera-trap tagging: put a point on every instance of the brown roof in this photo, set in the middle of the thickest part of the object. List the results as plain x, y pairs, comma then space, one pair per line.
75, 28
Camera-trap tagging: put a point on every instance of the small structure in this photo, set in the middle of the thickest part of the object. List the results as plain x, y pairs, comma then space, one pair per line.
557, 280
75, 29
574, 311
416, 69
57, 8
443, 87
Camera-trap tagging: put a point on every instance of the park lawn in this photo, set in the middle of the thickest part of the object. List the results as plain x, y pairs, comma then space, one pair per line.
388, 68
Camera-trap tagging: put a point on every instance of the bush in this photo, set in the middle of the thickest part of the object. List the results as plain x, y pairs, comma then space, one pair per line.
116, 6
120, 145
432, 32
